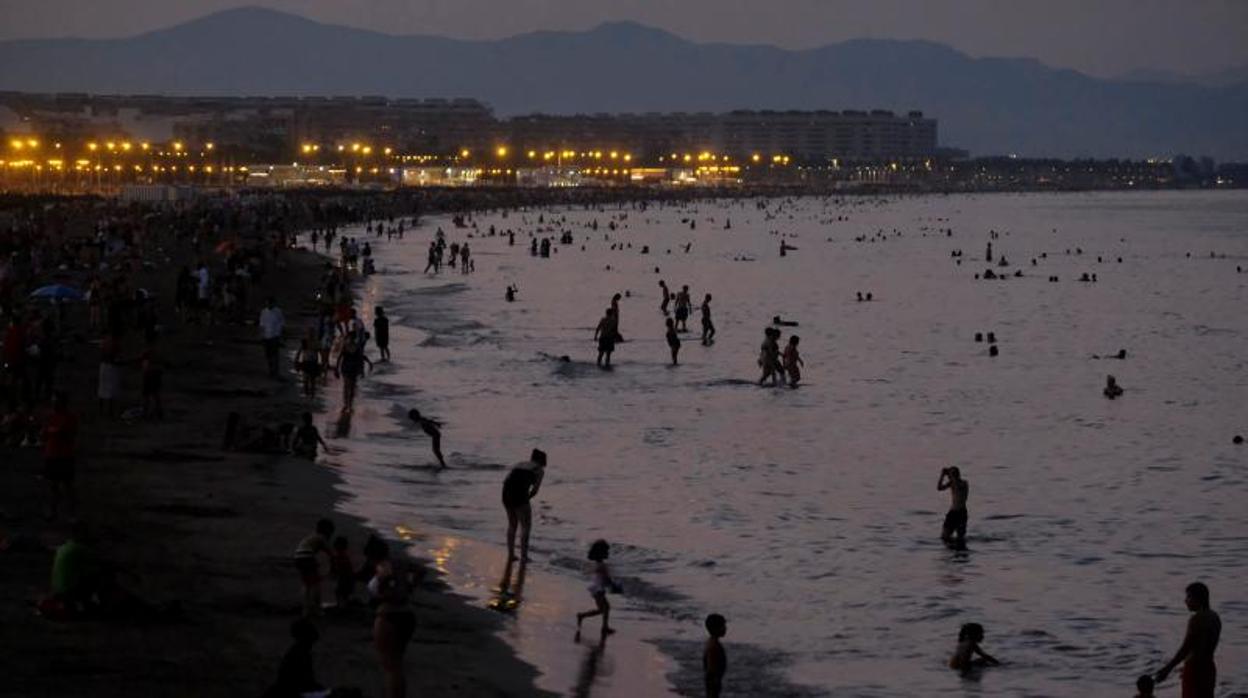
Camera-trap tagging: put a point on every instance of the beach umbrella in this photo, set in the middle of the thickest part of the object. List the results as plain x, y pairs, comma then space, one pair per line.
58, 292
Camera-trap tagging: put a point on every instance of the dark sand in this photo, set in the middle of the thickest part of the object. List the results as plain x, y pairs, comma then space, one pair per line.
214, 531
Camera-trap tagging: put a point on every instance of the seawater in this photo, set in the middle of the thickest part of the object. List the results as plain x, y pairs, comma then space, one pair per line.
810, 517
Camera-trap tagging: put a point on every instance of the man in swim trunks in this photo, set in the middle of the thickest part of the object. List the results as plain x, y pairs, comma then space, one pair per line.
1204, 628
953, 533
521, 485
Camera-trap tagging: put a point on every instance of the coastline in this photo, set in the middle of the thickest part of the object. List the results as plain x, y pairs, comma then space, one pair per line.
209, 532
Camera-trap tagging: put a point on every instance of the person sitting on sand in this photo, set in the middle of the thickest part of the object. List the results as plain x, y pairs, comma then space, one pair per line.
1204, 629
307, 566
963, 659
74, 572
432, 428
793, 361
953, 531
599, 551
521, 486
1112, 389
714, 659
307, 438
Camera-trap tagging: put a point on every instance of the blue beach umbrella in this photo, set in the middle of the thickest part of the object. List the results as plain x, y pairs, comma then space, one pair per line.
58, 292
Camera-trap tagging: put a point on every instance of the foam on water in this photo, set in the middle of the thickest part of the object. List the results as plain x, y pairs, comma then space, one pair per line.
810, 517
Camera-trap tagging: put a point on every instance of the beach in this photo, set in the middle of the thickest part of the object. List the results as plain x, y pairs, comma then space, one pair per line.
810, 517
204, 535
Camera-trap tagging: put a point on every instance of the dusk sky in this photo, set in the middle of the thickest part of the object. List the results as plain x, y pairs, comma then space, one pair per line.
1104, 37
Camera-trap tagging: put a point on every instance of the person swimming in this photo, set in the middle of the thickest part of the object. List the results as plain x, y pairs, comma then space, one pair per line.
776, 320
963, 659
1112, 389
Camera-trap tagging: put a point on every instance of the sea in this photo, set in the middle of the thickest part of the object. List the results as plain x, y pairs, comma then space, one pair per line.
810, 516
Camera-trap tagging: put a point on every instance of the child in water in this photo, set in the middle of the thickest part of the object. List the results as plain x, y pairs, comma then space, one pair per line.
1112, 389
793, 361
714, 659
963, 658
599, 552
430, 427
673, 340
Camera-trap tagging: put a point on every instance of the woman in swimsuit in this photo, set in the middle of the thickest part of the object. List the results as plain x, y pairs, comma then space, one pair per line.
521, 485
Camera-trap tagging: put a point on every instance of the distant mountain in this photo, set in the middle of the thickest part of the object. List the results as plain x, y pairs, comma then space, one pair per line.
1218, 78
988, 105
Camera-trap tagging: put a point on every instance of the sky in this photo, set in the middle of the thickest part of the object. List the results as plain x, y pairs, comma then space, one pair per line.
1099, 37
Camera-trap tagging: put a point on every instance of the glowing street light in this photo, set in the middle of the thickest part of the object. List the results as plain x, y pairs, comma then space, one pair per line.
502, 151
464, 153
92, 146
177, 146
210, 145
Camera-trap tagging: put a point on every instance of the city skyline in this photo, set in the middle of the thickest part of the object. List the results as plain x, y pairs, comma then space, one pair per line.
1107, 39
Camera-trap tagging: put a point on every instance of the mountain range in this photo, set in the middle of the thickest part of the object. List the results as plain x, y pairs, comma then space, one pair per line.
986, 105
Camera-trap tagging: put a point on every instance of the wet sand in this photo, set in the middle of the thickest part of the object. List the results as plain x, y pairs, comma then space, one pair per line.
186, 522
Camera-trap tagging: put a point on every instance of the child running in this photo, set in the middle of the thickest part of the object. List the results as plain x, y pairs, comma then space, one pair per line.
430, 427
599, 552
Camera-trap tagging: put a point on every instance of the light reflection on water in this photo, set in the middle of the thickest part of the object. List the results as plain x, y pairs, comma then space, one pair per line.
810, 517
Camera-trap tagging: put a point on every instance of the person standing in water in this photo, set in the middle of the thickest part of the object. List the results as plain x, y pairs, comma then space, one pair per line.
769, 357
667, 297
708, 327
431, 427
673, 339
521, 486
605, 334
682, 309
793, 361
381, 333
1204, 629
953, 532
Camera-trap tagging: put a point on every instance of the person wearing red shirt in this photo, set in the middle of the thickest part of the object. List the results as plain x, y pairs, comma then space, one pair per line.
60, 435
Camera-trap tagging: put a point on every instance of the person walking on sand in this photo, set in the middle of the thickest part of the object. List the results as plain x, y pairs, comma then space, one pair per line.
351, 363
272, 322
953, 532
714, 659
381, 334
521, 486
708, 327
1204, 629
599, 551
432, 428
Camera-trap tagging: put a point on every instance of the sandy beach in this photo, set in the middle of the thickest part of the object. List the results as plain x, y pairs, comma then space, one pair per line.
207, 536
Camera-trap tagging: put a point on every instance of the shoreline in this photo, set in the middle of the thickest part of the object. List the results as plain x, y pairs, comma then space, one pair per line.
205, 535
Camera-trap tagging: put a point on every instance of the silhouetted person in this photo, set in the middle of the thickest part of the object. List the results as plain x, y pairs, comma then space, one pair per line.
1204, 628
963, 659
1112, 389
520, 486
953, 532
714, 659
432, 428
